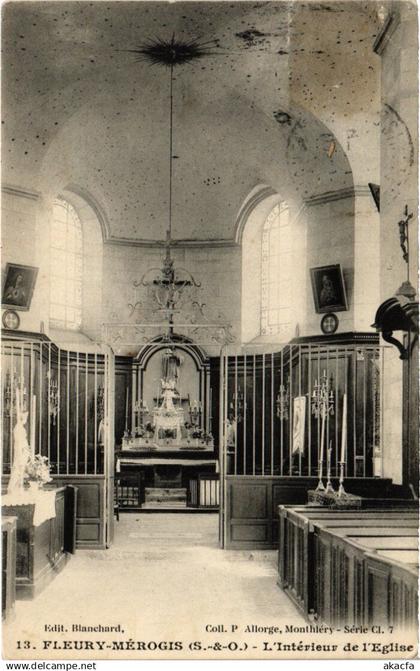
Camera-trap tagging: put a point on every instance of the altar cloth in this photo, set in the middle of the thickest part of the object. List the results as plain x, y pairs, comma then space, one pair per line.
42, 499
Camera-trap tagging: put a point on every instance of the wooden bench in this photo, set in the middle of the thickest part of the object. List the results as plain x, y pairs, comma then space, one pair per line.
329, 564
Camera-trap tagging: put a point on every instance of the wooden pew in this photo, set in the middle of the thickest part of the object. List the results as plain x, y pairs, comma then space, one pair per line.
329, 563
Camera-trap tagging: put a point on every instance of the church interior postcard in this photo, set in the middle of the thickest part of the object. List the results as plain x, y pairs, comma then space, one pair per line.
209, 344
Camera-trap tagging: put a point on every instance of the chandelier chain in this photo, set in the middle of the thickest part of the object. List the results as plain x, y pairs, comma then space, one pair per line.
170, 152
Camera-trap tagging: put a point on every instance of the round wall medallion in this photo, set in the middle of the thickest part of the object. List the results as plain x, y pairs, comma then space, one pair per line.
11, 319
329, 323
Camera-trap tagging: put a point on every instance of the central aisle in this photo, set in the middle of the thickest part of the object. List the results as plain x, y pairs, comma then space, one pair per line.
164, 579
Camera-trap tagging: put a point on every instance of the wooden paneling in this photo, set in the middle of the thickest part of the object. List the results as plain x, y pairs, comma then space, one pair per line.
253, 502
250, 533
248, 506
250, 501
87, 534
89, 500
8, 575
90, 509
376, 591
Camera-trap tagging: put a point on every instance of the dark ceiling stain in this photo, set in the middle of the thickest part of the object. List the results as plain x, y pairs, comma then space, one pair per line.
172, 52
282, 117
252, 37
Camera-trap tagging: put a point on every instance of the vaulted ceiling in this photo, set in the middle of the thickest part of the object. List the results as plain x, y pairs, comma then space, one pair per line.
286, 87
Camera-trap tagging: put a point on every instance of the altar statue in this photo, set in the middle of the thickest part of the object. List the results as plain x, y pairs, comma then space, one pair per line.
168, 394
171, 363
21, 450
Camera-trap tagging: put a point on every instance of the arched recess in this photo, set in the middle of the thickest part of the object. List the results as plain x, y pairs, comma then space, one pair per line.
86, 200
180, 341
93, 229
194, 381
249, 233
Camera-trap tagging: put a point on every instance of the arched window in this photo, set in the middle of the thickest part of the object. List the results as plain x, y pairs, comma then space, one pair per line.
276, 272
66, 267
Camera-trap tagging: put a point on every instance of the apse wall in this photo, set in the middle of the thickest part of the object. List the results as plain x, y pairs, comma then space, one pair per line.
24, 243
324, 230
26, 217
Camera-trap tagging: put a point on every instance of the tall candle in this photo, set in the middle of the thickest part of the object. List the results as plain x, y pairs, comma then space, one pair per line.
321, 447
344, 430
33, 422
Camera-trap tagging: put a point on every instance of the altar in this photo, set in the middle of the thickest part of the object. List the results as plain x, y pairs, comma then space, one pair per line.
169, 446
174, 423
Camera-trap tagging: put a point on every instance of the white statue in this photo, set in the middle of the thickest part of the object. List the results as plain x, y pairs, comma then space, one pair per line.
168, 394
171, 362
21, 449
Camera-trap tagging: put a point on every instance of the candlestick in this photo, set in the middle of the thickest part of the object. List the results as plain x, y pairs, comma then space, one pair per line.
33, 422
329, 488
344, 430
322, 405
341, 490
320, 487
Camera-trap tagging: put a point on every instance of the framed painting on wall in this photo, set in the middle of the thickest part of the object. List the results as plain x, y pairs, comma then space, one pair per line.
18, 287
329, 289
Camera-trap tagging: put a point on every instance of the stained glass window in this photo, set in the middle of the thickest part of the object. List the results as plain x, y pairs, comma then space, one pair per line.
276, 272
66, 267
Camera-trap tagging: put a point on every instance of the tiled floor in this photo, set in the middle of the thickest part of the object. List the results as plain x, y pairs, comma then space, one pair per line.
164, 579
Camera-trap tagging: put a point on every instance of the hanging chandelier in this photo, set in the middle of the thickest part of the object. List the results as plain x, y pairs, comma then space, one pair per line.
171, 292
167, 285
